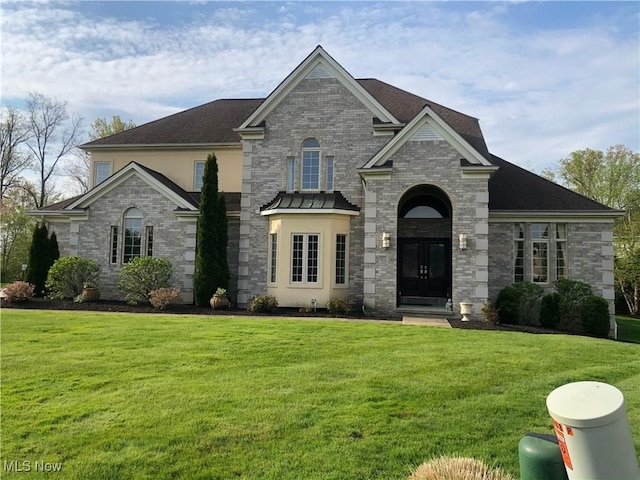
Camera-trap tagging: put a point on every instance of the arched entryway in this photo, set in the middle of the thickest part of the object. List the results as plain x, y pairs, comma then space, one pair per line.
424, 247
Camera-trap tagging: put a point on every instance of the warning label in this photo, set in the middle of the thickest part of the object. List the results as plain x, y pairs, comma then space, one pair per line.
563, 444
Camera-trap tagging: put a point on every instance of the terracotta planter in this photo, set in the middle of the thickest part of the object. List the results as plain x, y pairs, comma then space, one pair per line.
90, 294
219, 302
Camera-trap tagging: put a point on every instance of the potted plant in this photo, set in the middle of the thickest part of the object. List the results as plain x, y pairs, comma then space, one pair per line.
220, 301
90, 292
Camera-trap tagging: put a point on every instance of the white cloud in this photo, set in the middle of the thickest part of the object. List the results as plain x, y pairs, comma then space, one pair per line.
539, 93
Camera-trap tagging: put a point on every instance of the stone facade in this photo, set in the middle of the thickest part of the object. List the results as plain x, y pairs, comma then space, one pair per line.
91, 237
325, 110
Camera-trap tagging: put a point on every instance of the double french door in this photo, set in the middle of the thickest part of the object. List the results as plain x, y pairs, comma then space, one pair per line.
424, 271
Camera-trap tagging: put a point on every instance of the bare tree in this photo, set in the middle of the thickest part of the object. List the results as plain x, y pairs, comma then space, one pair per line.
54, 134
14, 132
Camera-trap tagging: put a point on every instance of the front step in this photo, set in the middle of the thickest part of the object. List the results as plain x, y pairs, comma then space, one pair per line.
429, 322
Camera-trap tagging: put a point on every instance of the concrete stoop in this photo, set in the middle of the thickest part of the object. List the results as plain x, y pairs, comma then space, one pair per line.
428, 322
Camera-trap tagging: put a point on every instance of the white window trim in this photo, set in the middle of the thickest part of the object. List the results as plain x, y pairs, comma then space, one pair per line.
197, 188
311, 149
273, 259
95, 172
305, 259
346, 262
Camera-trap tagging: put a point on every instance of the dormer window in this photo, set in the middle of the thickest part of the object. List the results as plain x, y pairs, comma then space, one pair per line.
311, 164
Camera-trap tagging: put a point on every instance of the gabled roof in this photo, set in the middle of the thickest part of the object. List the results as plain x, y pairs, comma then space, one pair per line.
514, 189
318, 63
211, 123
185, 201
405, 106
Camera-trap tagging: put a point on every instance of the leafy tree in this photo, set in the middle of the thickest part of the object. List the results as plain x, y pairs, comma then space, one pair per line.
53, 135
211, 267
13, 134
627, 275
606, 178
101, 127
39, 258
15, 234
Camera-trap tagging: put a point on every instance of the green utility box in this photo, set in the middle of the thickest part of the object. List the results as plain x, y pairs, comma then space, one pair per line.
540, 458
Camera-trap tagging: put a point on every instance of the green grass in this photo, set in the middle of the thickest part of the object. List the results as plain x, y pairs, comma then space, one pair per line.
113, 396
628, 329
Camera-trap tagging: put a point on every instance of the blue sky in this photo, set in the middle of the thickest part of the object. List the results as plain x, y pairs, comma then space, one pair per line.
544, 78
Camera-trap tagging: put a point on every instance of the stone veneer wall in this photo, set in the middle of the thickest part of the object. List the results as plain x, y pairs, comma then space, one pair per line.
173, 238
316, 108
427, 163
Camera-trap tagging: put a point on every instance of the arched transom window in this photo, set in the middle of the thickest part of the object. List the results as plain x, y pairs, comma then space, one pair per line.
132, 234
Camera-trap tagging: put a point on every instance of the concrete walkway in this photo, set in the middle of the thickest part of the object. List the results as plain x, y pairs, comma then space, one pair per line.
429, 322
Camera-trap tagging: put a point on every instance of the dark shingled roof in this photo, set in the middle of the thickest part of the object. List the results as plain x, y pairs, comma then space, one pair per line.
214, 122
513, 188
405, 106
209, 123
308, 200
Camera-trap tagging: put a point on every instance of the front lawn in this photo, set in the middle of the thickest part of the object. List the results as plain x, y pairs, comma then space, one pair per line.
114, 396
628, 329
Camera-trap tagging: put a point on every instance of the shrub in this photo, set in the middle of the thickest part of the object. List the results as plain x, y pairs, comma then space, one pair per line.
573, 294
163, 297
519, 304
141, 275
550, 310
68, 276
18, 291
339, 306
508, 305
491, 313
263, 304
40, 259
595, 316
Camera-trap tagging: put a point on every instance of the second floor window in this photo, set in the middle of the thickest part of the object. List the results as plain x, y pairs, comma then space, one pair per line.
101, 171
311, 164
198, 172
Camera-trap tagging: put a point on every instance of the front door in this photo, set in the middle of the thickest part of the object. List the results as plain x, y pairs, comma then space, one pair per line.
424, 270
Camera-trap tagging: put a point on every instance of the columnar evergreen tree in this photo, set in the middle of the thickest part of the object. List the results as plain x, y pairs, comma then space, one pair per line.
211, 267
39, 258
54, 249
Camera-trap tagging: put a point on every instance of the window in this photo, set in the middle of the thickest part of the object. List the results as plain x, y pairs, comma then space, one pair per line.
310, 165
149, 231
341, 259
518, 267
304, 258
540, 252
198, 173
561, 250
291, 174
329, 173
273, 260
114, 245
102, 170
132, 234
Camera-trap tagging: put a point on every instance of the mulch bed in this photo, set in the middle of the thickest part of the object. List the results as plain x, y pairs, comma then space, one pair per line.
118, 306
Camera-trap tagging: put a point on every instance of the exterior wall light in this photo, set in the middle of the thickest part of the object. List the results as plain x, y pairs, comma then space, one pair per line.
386, 240
462, 241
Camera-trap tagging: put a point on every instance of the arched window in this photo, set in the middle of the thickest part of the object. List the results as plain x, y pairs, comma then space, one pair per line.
311, 164
132, 234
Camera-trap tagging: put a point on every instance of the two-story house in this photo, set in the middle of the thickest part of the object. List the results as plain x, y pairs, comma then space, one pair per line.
336, 187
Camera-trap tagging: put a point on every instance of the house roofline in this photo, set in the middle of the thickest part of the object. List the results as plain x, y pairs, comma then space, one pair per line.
158, 146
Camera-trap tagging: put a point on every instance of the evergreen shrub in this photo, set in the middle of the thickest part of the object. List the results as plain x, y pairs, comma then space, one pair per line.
263, 304
595, 316
550, 310
141, 275
68, 276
